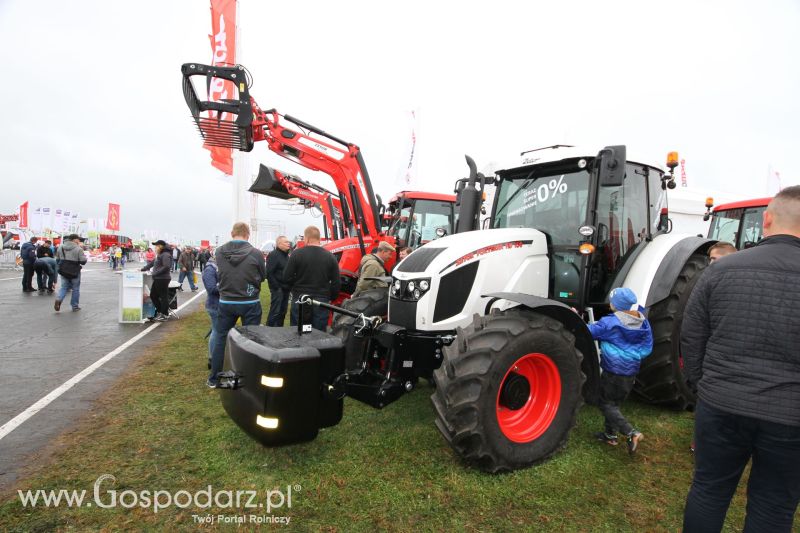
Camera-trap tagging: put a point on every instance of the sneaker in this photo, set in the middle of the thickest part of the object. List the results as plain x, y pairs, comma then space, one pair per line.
210, 384
194, 290
41, 290
160, 318
76, 308
180, 289
50, 291
633, 441
602, 436
57, 305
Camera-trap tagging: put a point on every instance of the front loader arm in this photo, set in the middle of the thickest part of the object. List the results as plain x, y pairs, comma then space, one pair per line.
276, 184
238, 123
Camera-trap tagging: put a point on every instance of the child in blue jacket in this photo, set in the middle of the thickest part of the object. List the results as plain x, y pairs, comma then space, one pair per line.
625, 339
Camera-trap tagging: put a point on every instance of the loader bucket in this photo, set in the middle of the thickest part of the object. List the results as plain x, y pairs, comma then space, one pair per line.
284, 383
268, 185
225, 122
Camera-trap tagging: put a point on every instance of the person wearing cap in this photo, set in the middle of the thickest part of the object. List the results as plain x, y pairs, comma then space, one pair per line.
70, 259
161, 267
314, 271
28, 254
625, 339
372, 266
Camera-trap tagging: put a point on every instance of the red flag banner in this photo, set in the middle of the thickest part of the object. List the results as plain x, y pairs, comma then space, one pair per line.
23, 216
223, 49
112, 220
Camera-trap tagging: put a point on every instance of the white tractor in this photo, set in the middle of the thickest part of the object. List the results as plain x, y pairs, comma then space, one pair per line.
495, 317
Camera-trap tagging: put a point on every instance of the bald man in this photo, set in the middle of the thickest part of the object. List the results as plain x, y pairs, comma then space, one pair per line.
739, 341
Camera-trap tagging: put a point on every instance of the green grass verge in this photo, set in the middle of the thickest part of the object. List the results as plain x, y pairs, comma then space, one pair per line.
160, 428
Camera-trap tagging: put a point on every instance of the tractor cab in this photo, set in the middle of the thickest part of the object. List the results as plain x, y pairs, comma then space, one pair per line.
739, 223
414, 217
594, 227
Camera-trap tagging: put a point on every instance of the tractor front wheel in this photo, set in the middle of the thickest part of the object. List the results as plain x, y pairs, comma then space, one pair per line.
508, 390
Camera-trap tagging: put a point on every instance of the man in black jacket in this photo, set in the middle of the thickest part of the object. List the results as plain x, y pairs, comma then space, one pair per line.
312, 270
739, 341
278, 290
162, 268
241, 271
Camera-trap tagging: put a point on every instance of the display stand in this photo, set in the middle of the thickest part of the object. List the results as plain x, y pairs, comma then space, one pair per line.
131, 297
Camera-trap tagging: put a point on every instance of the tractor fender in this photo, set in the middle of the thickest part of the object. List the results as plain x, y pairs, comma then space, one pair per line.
656, 268
573, 323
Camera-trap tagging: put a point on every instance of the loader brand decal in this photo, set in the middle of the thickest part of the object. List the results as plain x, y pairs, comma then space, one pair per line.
486, 250
348, 247
331, 152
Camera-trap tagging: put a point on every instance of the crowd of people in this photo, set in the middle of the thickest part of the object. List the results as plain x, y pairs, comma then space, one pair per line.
233, 276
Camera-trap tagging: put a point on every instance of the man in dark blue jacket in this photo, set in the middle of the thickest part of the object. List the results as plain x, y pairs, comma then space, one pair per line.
278, 290
28, 254
739, 341
211, 283
625, 339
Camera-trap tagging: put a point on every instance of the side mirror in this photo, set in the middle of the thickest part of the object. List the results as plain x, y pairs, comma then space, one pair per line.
611, 169
441, 232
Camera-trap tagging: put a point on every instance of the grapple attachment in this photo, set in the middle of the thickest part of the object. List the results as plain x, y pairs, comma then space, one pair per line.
227, 122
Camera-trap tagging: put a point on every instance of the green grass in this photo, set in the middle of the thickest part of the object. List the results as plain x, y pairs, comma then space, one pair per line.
160, 428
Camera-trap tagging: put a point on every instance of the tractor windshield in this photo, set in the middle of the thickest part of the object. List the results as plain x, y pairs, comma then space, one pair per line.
419, 219
552, 203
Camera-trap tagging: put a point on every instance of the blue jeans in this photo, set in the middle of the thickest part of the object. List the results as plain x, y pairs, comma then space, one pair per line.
227, 315
319, 316
189, 275
278, 302
75, 285
212, 314
724, 443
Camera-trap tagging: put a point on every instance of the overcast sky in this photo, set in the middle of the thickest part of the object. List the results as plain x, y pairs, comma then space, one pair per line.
93, 110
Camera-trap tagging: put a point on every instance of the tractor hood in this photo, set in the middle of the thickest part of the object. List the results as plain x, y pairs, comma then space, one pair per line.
439, 286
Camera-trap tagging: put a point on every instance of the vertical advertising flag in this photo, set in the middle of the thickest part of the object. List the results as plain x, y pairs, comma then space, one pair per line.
408, 175
223, 50
65, 220
112, 220
58, 220
23, 216
36, 220
47, 223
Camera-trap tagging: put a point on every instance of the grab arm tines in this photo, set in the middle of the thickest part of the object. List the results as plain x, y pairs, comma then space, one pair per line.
226, 122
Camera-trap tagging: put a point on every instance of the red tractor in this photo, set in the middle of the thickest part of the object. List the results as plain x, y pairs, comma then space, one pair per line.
357, 228
739, 223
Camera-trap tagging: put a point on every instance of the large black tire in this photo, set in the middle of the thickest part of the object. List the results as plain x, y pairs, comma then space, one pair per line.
661, 380
374, 302
474, 371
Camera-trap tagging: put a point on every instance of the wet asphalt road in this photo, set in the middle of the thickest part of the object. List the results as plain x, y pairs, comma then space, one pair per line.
41, 349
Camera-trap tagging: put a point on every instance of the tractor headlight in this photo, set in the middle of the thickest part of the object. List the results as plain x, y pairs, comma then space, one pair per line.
396, 287
410, 290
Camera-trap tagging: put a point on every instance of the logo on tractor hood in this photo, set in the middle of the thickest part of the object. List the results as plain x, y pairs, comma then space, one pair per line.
480, 252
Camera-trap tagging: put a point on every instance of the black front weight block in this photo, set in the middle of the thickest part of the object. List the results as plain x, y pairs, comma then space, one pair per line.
282, 383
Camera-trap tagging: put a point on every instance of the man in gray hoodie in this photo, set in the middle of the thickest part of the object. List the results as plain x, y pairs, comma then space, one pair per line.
242, 270
70, 259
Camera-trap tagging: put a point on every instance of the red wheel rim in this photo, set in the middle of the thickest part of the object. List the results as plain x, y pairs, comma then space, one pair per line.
531, 420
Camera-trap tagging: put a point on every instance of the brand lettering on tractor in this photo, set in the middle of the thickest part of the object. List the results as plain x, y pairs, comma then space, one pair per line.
487, 250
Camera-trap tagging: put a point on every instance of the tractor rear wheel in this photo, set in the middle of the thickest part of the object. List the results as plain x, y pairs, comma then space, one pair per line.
508, 390
374, 302
661, 380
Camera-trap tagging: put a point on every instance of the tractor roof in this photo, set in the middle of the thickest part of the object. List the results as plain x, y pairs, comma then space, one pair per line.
757, 202
423, 195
